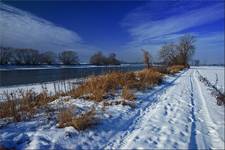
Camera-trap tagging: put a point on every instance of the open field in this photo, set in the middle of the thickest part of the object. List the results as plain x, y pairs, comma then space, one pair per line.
212, 73
178, 113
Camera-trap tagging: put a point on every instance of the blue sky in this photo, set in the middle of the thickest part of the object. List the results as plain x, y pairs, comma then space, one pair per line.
114, 26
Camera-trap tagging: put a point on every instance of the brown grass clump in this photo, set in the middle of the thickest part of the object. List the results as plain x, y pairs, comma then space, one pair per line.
22, 104
9, 108
82, 122
148, 78
98, 87
161, 69
129, 80
65, 117
127, 94
175, 69
94, 88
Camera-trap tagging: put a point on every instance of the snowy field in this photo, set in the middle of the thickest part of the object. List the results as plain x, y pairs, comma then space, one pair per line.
211, 73
178, 114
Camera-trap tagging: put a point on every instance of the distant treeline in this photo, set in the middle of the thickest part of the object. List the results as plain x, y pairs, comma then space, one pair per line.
179, 53
21, 56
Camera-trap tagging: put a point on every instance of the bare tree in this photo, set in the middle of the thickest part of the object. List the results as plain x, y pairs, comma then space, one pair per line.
186, 48
172, 54
98, 59
147, 58
26, 56
69, 57
112, 60
5, 55
168, 54
48, 57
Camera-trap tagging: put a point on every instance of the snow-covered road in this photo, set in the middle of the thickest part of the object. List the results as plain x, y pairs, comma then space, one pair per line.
182, 118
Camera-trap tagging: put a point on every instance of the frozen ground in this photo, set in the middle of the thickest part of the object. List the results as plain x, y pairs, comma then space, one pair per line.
180, 113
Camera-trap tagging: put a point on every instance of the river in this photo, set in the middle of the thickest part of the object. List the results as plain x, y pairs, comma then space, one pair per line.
19, 75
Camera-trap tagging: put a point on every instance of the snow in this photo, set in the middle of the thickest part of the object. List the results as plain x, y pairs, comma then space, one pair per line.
211, 73
38, 87
178, 114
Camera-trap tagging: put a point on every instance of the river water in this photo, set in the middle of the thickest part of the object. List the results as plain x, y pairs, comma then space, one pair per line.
18, 75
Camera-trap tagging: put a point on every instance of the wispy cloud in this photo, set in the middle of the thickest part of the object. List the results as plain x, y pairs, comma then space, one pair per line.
152, 25
19, 28
174, 23
210, 47
149, 26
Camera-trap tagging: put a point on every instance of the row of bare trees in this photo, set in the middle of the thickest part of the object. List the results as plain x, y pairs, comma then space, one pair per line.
170, 54
32, 57
174, 54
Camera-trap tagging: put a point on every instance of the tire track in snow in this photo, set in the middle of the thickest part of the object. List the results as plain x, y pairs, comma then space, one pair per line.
168, 121
173, 120
192, 143
212, 138
119, 141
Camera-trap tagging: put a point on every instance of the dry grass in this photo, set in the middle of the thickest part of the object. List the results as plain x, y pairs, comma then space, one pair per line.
127, 94
217, 93
148, 78
175, 69
22, 104
162, 69
9, 107
65, 117
98, 87
81, 122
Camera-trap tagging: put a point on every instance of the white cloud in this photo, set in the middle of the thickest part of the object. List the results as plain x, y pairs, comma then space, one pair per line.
210, 47
21, 29
177, 23
150, 27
